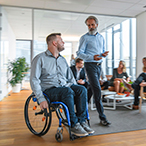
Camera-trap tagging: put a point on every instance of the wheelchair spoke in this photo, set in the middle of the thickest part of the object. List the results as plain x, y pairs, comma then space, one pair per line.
37, 120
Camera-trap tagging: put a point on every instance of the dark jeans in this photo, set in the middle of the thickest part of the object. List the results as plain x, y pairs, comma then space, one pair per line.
75, 94
89, 90
93, 73
136, 87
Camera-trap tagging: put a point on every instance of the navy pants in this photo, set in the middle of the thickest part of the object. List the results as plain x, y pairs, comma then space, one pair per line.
76, 94
136, 87
93, 72
89, 90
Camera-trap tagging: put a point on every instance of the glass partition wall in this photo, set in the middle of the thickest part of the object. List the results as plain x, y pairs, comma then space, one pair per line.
24, 33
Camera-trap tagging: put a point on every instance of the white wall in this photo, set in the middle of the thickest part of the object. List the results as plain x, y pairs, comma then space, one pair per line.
140, 41
7, 51
75, 47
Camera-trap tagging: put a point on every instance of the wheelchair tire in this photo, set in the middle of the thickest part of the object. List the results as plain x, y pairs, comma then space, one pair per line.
59, 136
37, 121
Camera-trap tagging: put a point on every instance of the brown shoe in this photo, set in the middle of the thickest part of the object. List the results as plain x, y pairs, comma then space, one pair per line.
135, 107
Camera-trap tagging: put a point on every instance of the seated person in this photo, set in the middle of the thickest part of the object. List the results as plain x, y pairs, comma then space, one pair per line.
79, 75
118, 75
140, 81
103, 81
51, 74
72, 61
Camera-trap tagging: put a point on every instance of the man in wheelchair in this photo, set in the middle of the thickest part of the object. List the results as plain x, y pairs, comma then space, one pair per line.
51, 74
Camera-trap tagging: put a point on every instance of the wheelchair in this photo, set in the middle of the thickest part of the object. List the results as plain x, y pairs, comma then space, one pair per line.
39, 121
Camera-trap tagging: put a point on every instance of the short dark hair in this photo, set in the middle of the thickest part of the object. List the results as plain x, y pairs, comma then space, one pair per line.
78, 60
92, 17
51, 37
144, 58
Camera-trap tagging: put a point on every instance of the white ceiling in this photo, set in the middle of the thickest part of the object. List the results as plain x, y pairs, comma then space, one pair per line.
69, 17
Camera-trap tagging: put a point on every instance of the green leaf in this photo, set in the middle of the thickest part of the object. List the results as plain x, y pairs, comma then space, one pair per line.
16, 69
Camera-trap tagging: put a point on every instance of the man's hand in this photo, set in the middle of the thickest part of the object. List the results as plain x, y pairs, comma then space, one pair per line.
43, 105
97, 58
101, 82
105, 53
81, 82
142, 84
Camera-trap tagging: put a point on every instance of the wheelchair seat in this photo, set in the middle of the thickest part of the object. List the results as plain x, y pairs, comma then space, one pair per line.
39, 121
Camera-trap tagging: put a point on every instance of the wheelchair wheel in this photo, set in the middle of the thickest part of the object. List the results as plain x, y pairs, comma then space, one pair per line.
59, 136
37, 121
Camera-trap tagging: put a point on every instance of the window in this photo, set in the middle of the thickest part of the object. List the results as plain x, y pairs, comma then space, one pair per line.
67, 52
121, 44
23, 49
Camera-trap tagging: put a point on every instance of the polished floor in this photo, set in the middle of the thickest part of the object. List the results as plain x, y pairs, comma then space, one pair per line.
13, 130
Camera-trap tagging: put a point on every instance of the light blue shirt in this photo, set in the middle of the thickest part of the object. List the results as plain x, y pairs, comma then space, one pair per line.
90, 45
102, 76
47, 72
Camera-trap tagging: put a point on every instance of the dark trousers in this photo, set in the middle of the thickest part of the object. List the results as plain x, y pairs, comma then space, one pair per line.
93, 73
69, 96
105, 85
136, 87
89, 90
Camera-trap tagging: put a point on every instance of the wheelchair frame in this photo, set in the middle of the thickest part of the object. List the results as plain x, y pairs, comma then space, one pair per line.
47, 117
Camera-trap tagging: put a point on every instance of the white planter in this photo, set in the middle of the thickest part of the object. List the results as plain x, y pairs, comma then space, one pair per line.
17, 88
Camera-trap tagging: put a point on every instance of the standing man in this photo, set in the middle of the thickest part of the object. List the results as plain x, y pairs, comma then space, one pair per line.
91, 50
79, 75
51, 74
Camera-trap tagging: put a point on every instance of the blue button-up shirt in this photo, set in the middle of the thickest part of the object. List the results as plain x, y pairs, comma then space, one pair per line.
90, 45
47, 72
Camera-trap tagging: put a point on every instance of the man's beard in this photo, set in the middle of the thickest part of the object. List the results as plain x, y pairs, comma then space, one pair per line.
60, 48
93, 31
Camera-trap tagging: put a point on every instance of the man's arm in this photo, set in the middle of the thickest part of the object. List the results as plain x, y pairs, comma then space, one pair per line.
82, 79
70, 77
34, 79
142, 84
73, 69
81, 50
103, 77
83, 75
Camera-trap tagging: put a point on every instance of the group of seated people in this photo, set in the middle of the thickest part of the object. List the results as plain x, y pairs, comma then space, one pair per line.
121, 77
51, 74
116, 83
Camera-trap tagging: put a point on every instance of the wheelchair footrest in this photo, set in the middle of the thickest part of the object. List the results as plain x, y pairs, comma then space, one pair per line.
73, 137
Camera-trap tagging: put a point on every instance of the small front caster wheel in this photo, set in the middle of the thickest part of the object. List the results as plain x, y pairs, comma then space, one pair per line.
59, 137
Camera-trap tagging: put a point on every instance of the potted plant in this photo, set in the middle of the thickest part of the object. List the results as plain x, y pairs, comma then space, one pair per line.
17, 69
